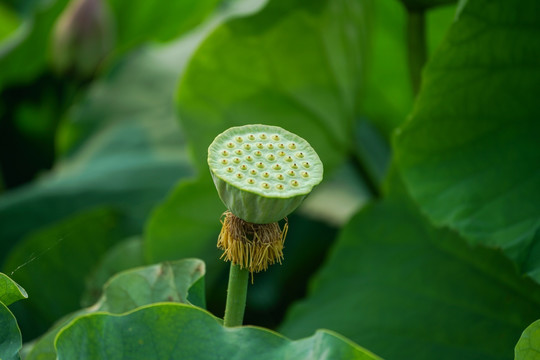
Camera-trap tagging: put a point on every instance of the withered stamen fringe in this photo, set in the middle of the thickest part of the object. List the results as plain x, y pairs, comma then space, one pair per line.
252, 246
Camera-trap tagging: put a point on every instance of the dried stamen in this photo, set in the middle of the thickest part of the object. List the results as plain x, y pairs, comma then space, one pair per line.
252, 246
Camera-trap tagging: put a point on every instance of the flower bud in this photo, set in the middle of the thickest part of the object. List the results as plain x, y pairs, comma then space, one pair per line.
82, 37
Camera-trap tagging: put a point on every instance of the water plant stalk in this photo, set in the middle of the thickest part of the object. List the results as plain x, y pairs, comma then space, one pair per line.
236, 296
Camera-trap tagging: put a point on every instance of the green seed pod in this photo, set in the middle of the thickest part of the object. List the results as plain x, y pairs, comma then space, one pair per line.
263, 186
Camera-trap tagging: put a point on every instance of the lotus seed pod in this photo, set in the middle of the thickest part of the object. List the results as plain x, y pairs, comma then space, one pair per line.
261, 172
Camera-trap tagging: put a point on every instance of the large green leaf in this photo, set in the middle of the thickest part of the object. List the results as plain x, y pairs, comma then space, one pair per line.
52, 263
469, 155
10, 335
23, 55
176, 331
387, 97
10, 291
180, 281
123, 256
406, 290
528, 346
124, 151
142, 21
294, 64
187, 225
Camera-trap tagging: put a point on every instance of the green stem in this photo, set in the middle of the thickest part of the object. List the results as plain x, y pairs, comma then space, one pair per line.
236, 296
416, 44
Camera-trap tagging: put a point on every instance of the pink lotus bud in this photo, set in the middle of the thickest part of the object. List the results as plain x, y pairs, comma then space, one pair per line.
83, 36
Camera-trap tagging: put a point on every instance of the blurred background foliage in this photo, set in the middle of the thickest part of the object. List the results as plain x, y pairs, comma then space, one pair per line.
422, 242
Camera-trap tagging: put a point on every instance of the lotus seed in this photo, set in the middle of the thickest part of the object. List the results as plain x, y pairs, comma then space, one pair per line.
281, 146
294, 183
263, 136
251, 137
257, 153
260, 165
305, 174
265, 174
230, 145
265, 185
239, 139
225, 153
253, 172
243, 167
224, 162
247, 147
277, 167
279, 187
271, 157
260, 145
294, 166
279, 176
251, 181
236, 160
299, 155
289, 159
305, 164
292, 146
239, 175
291, 173
270, 146
238, 152
281, 153
249, 158
230, 169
